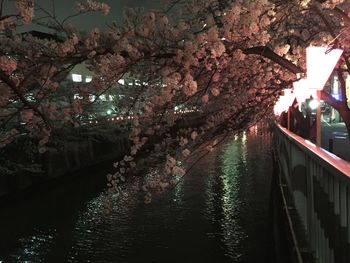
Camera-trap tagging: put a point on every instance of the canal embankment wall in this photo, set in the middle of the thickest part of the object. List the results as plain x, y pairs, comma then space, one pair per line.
66, 162
74, 154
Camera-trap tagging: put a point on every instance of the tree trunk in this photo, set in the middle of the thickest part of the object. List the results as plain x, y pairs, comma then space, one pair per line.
345, 114
341, 107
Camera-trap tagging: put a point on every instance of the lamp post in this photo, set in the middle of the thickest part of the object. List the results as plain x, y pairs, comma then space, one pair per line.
320, 62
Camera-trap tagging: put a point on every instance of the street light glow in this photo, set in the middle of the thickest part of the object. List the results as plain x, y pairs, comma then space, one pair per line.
313, 104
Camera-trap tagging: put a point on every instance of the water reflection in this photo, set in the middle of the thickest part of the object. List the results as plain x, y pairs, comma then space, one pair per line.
233, 233
217, 213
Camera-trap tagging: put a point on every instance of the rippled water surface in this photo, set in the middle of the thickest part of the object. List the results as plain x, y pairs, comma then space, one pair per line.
218, 213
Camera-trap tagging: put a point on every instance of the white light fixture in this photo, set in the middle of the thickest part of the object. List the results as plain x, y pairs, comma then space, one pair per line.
88, 79
76, 78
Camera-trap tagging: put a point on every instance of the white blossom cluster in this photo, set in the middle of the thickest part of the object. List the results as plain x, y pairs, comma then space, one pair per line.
25, 9
91, 5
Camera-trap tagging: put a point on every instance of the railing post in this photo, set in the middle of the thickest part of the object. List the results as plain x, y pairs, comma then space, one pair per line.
343, 221
330, 145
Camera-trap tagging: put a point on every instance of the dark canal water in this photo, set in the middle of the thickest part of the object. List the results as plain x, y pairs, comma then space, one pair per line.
218, 213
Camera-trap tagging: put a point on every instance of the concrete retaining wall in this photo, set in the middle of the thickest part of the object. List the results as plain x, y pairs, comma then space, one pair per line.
72, 157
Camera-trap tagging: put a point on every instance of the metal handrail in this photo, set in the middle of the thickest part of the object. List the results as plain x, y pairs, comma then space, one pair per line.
331, 161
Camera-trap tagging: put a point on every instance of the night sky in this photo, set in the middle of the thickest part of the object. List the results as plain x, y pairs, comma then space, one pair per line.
89, 21
98, 20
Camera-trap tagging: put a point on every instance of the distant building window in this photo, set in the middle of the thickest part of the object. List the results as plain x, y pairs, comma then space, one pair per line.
121, 81
76, 78
92, 98
88, 79
77, 97
103, 97
30, 97
335, 85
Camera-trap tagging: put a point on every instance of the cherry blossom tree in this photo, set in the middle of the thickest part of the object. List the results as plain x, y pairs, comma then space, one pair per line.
225, 61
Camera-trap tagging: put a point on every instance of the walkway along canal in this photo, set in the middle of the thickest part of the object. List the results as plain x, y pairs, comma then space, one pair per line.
218, 213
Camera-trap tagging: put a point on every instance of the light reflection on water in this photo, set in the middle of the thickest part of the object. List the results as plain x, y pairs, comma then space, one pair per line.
218, 213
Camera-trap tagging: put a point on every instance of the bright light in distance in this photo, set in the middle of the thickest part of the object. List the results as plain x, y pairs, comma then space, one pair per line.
77, 97
109, 112
88, 79
336, 96
335, 85
76, 77
313, 104
320, 63
121, 81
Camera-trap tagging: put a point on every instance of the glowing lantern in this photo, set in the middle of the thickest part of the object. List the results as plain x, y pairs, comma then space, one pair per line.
320, 64
278, 108
284, 102
301, 90
289, 97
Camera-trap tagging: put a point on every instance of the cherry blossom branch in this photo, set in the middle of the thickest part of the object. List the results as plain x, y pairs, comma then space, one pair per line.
54, 19
341, 14
8, 16
173, 4
338, 11
53, 2
331, 101
268, 53
15, 89
325, 21
1, 7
